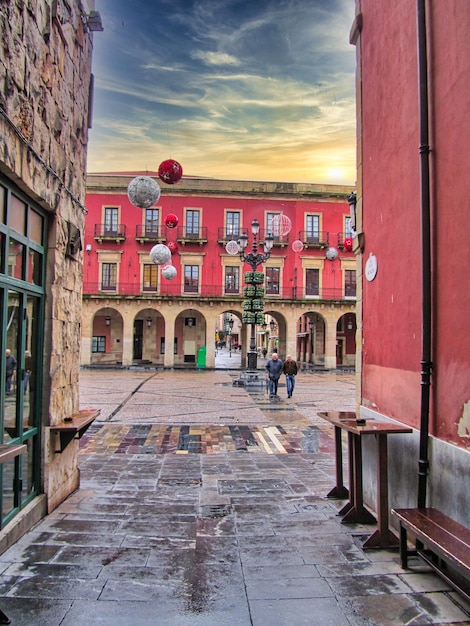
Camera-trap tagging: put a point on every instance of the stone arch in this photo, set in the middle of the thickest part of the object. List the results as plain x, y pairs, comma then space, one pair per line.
106, 344
346, 340
311, 339
148, 339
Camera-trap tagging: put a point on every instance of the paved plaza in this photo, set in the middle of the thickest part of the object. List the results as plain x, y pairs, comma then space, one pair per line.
203, 503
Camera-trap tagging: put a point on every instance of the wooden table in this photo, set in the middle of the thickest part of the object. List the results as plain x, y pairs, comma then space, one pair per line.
74, 426
354, 511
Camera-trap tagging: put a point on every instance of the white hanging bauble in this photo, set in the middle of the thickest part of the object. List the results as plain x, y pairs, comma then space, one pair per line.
332, 254
297, 245
169, 272
281, 225
232, 247
143, 192
160, 254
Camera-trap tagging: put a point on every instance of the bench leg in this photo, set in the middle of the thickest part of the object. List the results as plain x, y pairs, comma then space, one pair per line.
4, 619
403, 547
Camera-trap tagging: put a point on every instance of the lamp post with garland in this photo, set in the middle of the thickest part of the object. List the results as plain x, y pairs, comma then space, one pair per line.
253, 306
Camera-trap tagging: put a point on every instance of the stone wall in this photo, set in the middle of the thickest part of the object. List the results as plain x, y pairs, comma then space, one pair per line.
45, 69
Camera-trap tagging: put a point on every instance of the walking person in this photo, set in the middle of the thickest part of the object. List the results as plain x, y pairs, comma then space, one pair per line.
290, 370
10, 369
273, 371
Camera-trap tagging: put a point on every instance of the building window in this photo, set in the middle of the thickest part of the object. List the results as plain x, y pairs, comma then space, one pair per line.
191, 278
272, 280
150, 277
111, 218
312, 282
313, 228
269, 219
350, 283
98, 344
232, 279
151, 221
109, 276
347, 227
232, 223
192, 223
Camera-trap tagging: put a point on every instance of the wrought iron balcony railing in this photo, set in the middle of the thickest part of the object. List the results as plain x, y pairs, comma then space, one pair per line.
184, 235
108, 232
149, 233
319, 239
174, 290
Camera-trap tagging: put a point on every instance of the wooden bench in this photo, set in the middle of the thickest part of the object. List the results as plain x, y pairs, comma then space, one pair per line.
74, 427
441, 542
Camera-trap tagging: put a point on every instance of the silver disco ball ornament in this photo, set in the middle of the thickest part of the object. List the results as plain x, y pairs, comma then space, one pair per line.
143, 192
331, 254
160, 254
169, 272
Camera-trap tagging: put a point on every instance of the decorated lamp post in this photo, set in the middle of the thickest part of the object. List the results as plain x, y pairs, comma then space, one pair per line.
253, 305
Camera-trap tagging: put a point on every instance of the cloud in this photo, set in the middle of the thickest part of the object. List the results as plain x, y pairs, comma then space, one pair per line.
234, 88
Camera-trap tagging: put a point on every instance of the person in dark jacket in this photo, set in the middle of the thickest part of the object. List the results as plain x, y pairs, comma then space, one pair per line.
290, 370
273, 371
10, 369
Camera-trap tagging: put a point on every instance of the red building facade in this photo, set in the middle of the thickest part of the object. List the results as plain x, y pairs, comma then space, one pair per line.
132, 314
413, 66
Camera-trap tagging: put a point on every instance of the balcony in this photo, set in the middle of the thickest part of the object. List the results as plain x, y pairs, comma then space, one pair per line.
149, 234
186, 235
226, 234
176, 290
279, 240
107, 232
320, 239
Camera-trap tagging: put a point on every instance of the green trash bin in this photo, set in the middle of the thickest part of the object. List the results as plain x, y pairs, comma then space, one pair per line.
201, 357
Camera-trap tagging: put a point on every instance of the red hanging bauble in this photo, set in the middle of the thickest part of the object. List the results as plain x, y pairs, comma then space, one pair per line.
170, 171
171, 220
172, 246
348, 244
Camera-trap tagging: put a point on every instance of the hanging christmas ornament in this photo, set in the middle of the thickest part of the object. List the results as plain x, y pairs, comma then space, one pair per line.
348, 244
332, 254
160, 254
232, 247
172, 246
143, 192
170, 171
169, 272
281, 225
297, 245
171, 220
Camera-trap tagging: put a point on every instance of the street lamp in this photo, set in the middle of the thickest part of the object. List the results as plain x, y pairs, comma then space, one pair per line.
230, 325
254, 259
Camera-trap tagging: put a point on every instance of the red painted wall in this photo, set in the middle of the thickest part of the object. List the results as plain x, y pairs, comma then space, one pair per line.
213, 218
391, 210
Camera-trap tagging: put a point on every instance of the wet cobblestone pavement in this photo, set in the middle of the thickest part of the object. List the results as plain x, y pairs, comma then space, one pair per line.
204, 504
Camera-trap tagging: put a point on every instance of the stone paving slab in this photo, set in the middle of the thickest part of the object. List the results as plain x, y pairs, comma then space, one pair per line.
215, 534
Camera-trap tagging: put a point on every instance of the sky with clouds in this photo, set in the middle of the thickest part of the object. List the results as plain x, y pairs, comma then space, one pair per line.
231, 89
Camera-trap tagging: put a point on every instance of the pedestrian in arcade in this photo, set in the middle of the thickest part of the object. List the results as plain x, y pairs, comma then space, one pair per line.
10, 369
290, 370
273, 372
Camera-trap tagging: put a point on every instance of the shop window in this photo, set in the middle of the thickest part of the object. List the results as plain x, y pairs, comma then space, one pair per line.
98, 344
